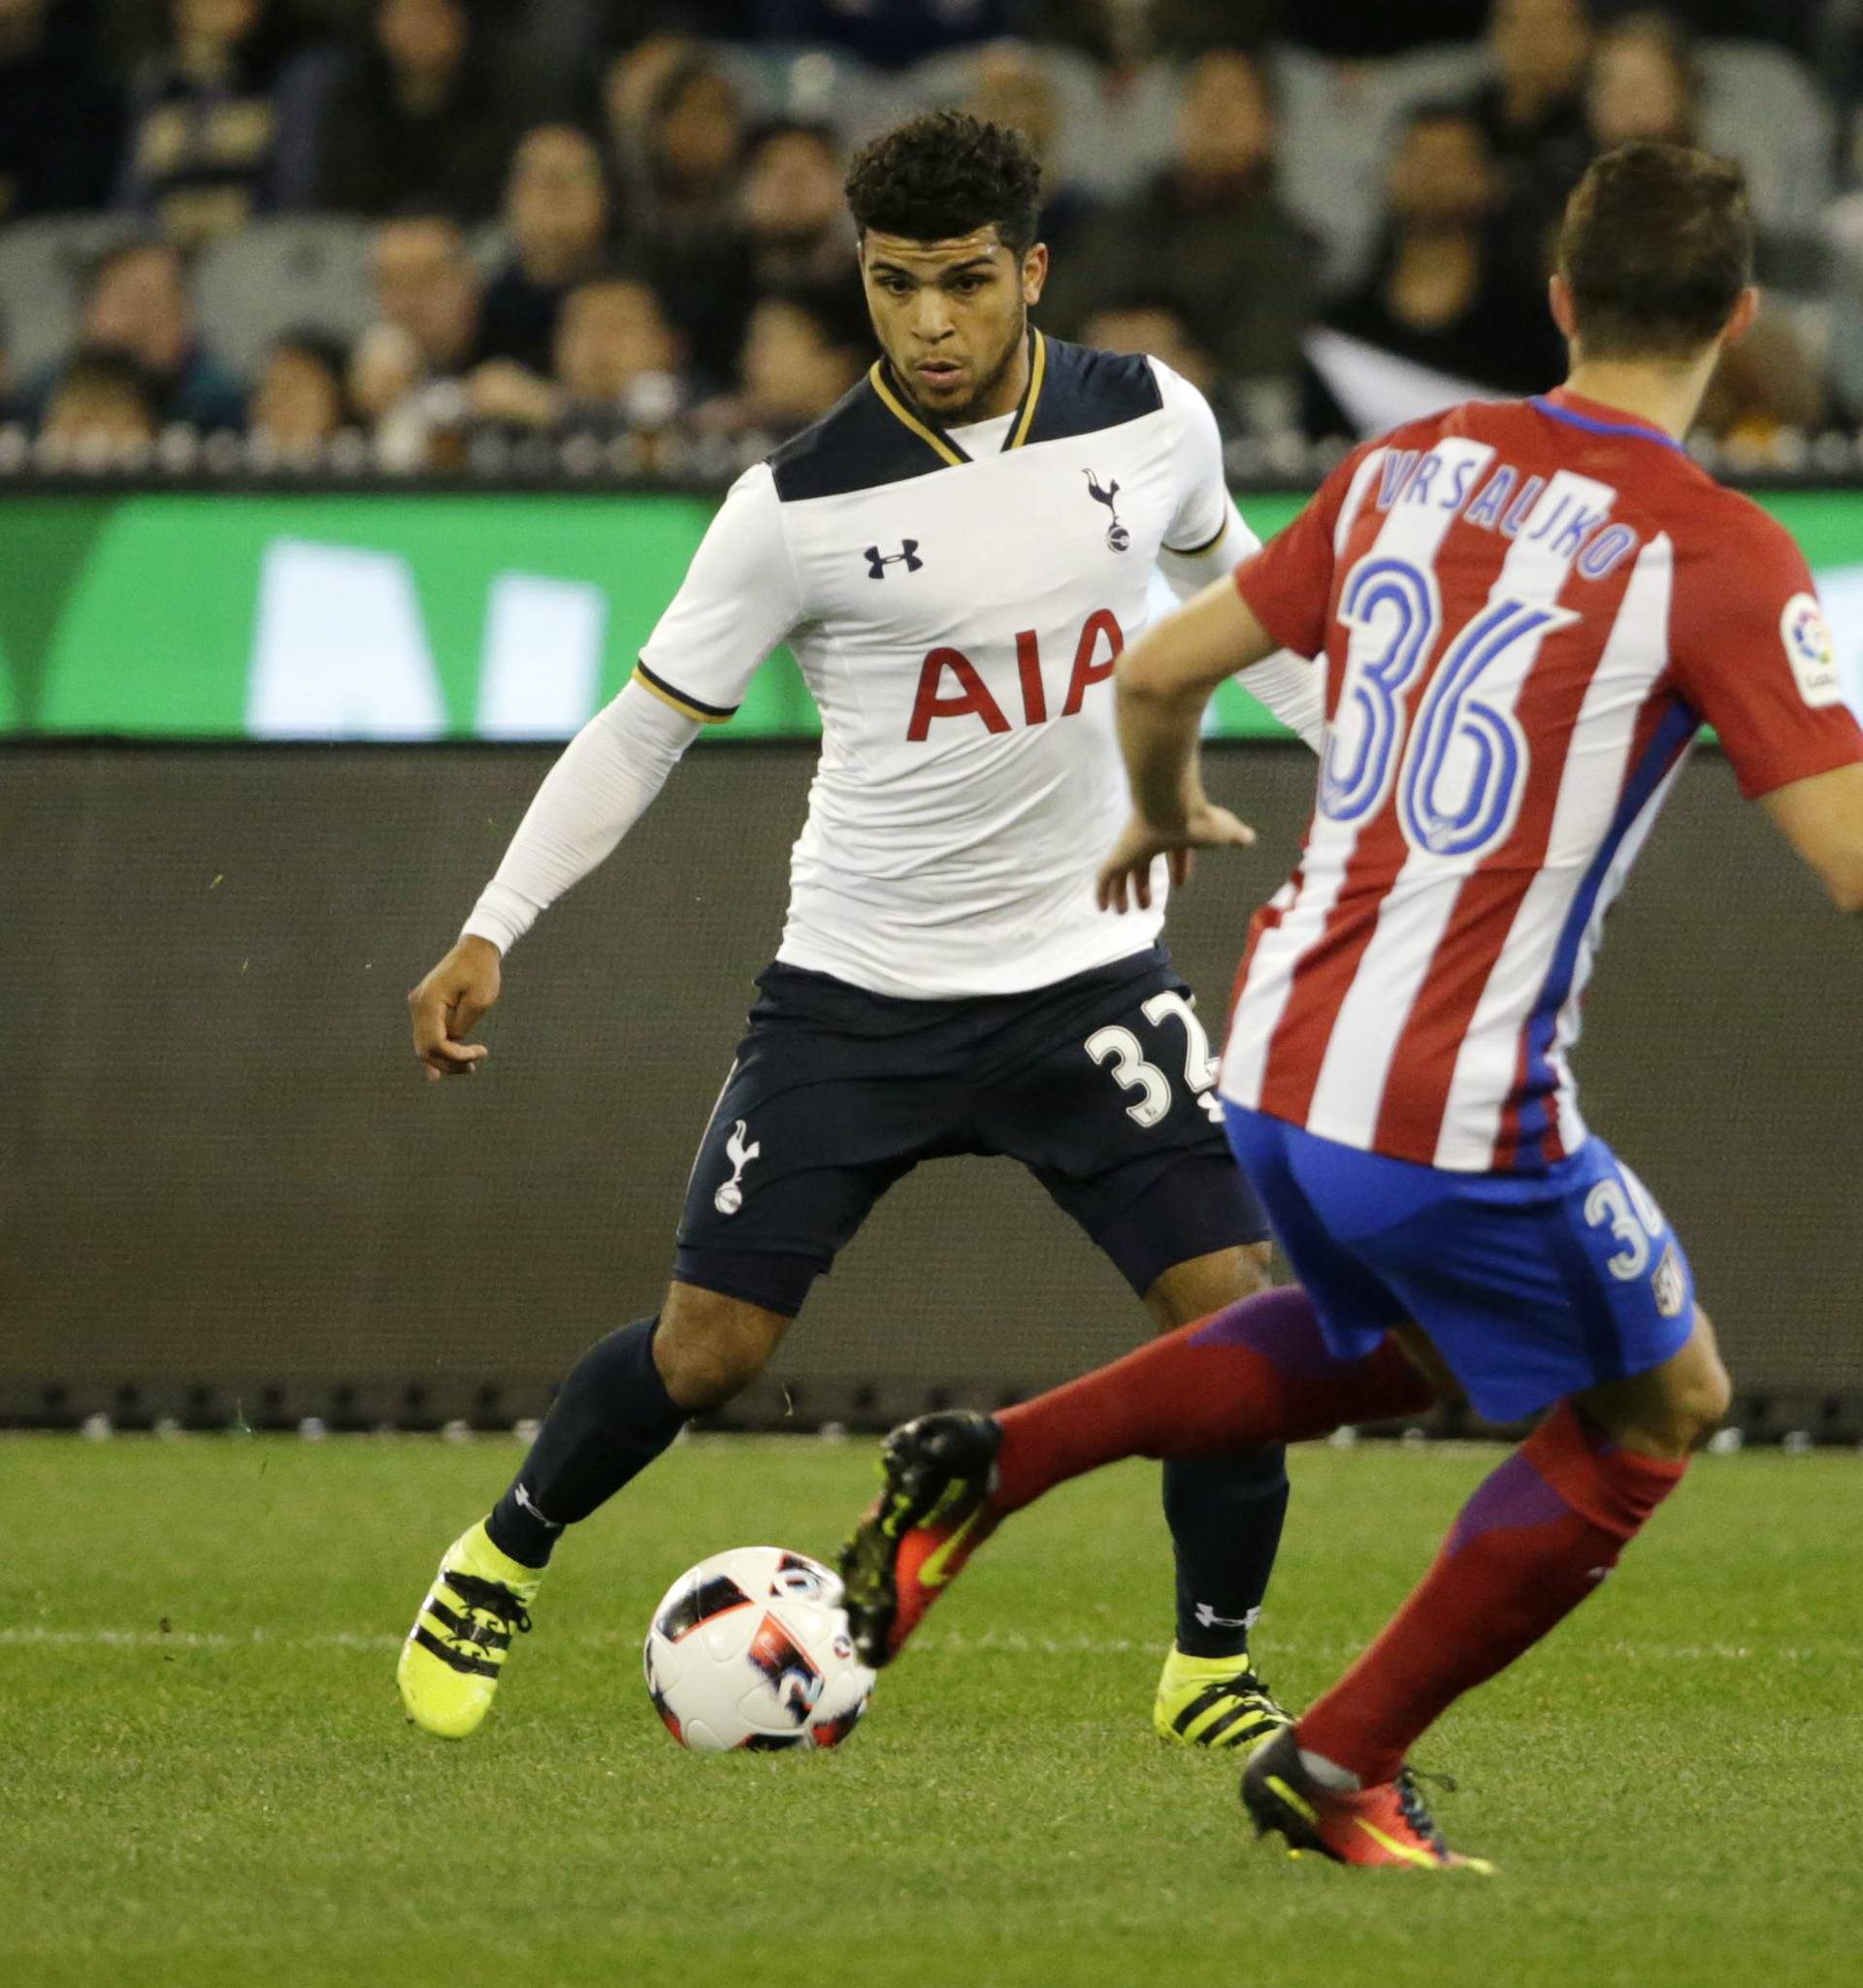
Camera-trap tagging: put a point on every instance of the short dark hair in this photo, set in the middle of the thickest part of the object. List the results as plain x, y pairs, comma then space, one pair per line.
105, 369
838, 311
947, 174
1656, 247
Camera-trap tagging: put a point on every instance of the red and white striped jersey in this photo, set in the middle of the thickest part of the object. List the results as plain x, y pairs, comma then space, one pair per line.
1528, 611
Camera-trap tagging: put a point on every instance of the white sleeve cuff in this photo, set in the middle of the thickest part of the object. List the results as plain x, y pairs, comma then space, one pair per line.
500, 916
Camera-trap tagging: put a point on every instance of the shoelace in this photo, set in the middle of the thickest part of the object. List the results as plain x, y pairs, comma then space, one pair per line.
1410, 1803
490, 1598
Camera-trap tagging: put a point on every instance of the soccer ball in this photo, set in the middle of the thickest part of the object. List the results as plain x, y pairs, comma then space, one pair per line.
750, 1649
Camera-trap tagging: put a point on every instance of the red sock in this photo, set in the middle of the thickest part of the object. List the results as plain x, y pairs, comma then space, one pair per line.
1533, 1542
1258, 1371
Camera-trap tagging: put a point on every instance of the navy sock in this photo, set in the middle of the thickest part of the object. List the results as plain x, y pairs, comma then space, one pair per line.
1225, 1515
611, 1419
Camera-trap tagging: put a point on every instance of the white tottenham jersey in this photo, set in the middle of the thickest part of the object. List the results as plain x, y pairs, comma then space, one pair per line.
956, 602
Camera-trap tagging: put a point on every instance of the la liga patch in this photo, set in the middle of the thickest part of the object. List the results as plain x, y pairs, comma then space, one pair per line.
1810, 650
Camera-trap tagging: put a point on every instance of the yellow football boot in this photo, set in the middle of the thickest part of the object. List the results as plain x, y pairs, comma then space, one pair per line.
1214, 1702
455, 1653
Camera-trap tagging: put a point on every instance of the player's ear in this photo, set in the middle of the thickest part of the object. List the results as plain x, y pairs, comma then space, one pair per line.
1034, 273
1558, 295
1742, 322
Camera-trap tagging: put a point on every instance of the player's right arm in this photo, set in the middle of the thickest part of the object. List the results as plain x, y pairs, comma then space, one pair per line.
738, 600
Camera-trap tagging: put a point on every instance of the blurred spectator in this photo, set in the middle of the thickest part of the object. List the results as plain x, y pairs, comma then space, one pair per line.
1644, 83
300, 400
1211, 237
891, 34
1152, 325
619, 355
60, 122
1123, 34
428, 287
1013, 86
1532, 109
103, 402
420, 114
1441, 294
408, 371
556, 218
136, 301
1355, 31
794, 215
629, 87
202, 124
620, 365
687, 207
695, 139
802, 354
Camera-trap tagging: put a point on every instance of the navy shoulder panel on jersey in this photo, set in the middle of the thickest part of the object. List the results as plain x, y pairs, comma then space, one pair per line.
858, 444
1086, 390
873, 438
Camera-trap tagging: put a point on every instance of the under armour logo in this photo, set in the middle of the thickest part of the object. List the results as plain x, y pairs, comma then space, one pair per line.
908, 555
730, 1196
1208, 1618
1116, 535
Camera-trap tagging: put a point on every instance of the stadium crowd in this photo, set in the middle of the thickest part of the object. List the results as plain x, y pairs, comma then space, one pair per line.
608, 235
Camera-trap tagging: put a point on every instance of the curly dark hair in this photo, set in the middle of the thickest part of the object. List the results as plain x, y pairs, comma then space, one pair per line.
947, 174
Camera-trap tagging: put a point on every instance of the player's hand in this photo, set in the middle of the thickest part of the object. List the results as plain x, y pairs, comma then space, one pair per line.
1126, 876
447, 1006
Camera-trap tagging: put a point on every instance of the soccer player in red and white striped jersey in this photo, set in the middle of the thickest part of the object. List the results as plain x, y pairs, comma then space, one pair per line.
1526, 612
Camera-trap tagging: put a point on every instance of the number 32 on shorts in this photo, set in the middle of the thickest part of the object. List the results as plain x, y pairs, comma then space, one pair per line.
1131, 1071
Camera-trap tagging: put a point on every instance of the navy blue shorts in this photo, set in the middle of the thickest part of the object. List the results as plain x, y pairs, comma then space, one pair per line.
1532, 1287
1101, 1086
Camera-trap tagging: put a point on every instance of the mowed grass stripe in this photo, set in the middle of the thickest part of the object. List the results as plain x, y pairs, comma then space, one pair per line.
1671, 1788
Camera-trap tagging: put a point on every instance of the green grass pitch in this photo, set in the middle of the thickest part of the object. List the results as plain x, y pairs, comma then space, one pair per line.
205, 1776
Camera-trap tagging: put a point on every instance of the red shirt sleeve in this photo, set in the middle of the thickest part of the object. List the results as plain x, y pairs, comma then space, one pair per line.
1288, 584
1752, 651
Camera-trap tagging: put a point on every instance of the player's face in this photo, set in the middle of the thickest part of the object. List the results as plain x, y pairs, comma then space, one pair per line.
951, 317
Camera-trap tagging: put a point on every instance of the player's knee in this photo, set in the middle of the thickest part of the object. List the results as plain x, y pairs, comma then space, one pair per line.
1676, 1409
709, 1347
1706, 1397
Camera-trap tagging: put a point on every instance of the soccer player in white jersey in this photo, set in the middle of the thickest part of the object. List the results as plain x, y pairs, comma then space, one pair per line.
1527, 610
957, 556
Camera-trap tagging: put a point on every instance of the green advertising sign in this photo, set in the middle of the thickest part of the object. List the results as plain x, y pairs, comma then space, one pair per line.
411, 616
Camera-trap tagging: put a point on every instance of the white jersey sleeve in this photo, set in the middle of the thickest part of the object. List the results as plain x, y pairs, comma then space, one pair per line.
1208, 538
589, 799
739, 601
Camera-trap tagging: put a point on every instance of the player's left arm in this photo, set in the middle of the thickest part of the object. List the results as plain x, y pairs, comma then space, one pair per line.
1165, 681
1207, 537
1754, 656
1823, 818
1278, 600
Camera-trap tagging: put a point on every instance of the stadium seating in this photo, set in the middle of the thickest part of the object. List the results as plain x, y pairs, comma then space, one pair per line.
300, 272
42, 269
